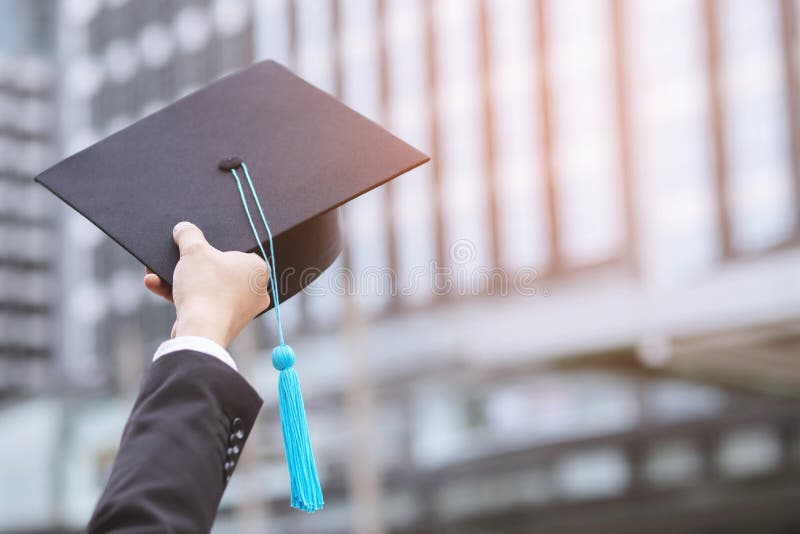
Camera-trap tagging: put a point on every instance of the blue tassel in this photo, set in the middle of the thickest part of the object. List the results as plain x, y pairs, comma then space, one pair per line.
306, 489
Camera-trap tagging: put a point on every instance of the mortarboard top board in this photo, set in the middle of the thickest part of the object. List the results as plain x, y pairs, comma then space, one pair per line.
307, 154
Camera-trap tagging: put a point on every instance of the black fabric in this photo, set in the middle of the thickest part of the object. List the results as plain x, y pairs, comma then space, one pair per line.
307, 153
177, 450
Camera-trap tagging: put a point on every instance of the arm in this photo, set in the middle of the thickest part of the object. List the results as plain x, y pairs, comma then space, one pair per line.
194, 411
172, 465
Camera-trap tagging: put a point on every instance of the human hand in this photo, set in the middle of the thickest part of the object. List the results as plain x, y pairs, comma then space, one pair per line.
212, 290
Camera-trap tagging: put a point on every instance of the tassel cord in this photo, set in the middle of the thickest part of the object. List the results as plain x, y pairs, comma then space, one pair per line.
271, 256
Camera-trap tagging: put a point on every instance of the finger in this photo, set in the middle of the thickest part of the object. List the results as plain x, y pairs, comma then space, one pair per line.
188, 237
157, 286
172, 333
148, 270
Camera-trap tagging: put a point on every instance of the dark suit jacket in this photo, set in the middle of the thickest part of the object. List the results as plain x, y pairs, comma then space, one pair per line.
179, 447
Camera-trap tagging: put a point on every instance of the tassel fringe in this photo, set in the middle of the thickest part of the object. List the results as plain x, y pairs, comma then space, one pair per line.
305, 486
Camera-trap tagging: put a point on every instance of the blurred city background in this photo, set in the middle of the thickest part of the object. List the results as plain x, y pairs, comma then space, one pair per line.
631, 167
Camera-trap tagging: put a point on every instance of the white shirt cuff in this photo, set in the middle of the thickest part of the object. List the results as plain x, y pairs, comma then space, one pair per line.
195, 343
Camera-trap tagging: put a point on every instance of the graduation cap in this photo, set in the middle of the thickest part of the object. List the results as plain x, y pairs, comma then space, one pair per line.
262, 137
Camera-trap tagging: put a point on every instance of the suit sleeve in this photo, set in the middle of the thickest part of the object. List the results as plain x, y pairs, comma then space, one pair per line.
179, 448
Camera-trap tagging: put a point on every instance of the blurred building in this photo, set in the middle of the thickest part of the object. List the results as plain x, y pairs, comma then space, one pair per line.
640, 158
584, 313
76, 329
27, 234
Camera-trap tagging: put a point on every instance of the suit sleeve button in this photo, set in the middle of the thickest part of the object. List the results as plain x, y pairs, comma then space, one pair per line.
237, 430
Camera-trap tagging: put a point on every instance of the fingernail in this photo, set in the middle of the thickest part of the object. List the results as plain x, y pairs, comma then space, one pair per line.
180, 226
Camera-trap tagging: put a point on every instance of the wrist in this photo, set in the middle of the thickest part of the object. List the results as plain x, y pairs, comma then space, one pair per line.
195, 324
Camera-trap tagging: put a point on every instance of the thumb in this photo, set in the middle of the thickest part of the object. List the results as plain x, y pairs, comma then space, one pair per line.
188, 237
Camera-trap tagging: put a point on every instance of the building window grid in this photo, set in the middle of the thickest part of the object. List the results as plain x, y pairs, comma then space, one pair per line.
26, 224
620, 248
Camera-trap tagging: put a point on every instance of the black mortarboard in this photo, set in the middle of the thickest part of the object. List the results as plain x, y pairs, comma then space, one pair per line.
307, 154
